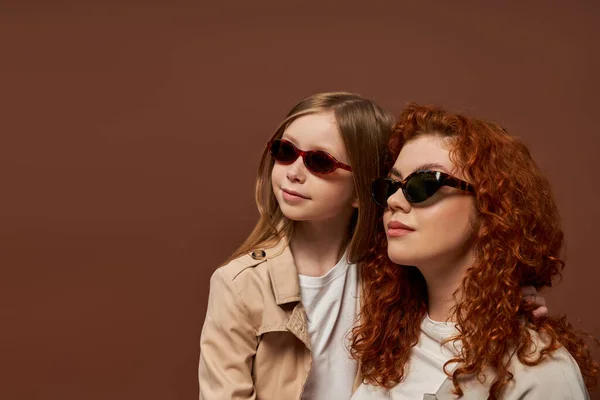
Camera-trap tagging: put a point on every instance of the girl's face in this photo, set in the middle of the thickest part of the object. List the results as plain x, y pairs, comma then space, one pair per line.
439, 230
303, 195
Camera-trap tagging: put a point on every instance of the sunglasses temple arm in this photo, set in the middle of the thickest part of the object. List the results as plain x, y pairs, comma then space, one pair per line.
459, 184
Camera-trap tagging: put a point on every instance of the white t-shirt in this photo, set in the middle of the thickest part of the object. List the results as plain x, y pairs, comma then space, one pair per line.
424, 372
331, 303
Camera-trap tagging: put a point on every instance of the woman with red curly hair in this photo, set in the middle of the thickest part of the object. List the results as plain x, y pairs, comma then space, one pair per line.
469, 219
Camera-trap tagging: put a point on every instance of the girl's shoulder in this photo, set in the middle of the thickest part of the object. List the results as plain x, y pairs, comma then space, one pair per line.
233, 268
258, 282
252, 259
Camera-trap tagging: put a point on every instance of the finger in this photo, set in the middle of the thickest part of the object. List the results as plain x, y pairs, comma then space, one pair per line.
530, 298
528, 291
540, 300
535, 300
540, 312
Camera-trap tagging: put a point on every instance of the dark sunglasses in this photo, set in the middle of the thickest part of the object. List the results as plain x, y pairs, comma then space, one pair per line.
417, 187
316, 161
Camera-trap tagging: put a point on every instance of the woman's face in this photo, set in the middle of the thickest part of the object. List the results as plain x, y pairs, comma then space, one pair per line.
306, 196
439, 230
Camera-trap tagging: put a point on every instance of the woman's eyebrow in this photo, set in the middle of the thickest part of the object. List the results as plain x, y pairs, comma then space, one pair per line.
395, 172
422, 167
431, 166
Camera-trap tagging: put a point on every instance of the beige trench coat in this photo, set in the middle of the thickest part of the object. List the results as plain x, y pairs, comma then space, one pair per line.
255, 342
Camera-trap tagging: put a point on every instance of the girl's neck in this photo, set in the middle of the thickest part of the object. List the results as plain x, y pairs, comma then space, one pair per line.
317, 246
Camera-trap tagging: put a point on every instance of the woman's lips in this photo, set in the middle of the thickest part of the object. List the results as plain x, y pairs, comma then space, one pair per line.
397, 228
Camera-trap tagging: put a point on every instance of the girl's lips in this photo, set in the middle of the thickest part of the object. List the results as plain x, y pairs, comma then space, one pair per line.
293, 196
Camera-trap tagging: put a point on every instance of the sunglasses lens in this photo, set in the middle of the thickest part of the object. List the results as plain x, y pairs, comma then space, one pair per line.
381, 190
421, 186
283, 151
319, 162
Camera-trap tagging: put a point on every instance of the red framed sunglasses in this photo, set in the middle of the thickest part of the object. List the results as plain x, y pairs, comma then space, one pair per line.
316, 161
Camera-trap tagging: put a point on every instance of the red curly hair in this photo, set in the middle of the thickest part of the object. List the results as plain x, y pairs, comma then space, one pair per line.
518, 243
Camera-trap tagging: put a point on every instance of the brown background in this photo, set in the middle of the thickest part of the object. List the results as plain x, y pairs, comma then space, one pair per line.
131, 132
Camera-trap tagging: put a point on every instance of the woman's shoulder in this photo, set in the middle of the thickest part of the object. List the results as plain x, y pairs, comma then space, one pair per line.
557, 375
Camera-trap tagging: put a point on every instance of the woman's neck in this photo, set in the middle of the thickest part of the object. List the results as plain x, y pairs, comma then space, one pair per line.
317, 246
443, 282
